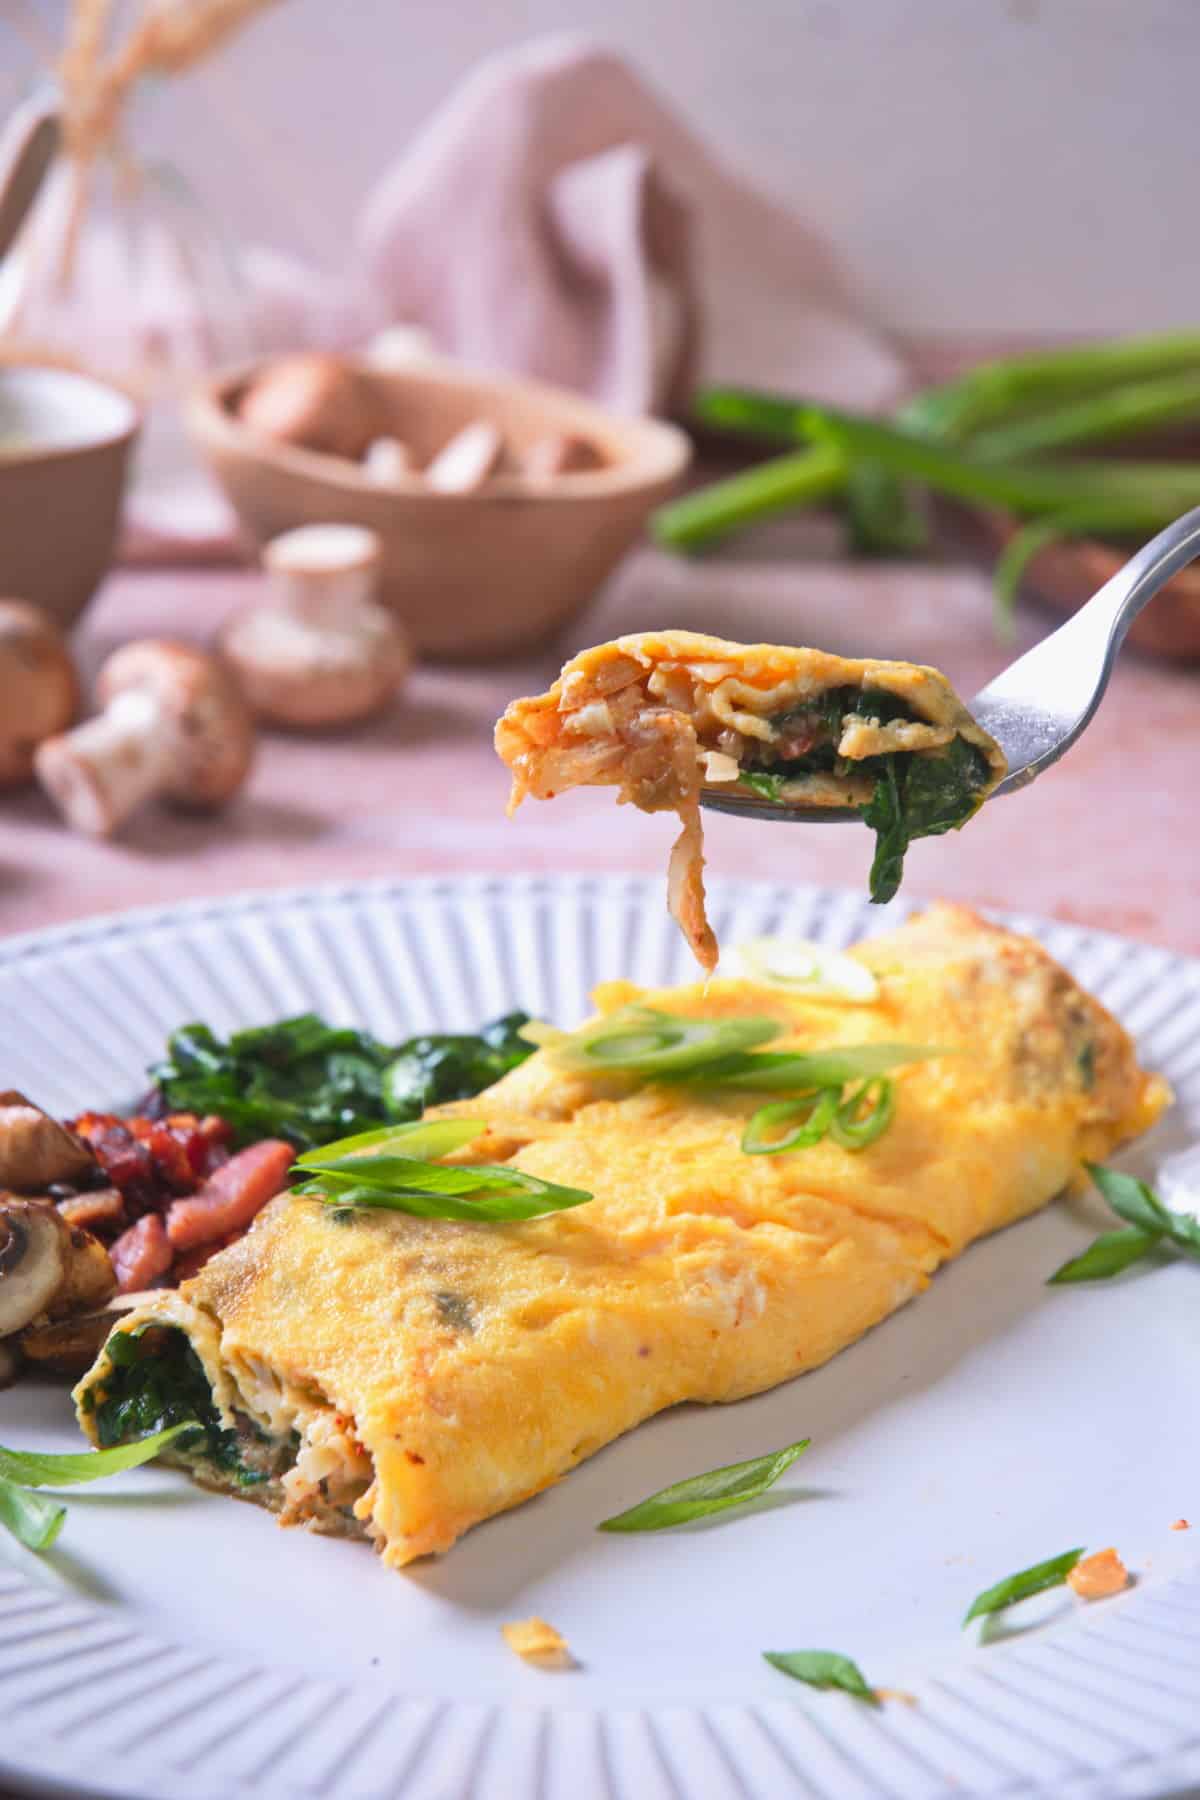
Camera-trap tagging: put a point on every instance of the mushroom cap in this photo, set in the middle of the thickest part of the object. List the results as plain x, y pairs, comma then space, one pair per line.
35, 1150
322, 551
314, 401
212, 729
39, 688
34, 1244
296, 673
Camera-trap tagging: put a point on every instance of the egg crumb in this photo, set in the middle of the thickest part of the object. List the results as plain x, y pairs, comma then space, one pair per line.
1097, 1576
538, 1643
1181, 1525
901, 1695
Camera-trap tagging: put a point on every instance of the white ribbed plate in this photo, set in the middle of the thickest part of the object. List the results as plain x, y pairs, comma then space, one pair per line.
176, 1644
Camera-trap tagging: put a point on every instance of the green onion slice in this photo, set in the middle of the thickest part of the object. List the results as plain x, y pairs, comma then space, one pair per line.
810, 971
766, 1132
776, 1071
36, 1468
853, 1128
823, 1669
33, 1521
699, 1496
423, 1138
499, 1195
640, 1040
1027, 1582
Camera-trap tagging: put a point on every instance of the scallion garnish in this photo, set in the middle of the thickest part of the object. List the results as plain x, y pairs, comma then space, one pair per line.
641, 1040
36, 1522
853, 1128
778, 1071
720, 1055
1151, 1225
33, 1521
699, 1496
1022, 1586
376, 1170
823, 1669
791, 1124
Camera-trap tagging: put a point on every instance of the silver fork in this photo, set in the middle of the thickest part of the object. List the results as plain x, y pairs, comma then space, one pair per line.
1039, 705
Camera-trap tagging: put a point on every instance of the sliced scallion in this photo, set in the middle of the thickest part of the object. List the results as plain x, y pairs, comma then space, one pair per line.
809, 1117
853, 1128
641, 1040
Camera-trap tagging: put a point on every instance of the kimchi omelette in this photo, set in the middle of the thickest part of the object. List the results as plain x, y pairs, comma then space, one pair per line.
402, 1378
663, 715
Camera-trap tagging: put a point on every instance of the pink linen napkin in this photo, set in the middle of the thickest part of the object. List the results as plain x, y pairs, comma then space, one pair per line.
555, 218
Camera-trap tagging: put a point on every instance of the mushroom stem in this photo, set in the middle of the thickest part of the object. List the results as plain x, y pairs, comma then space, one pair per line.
104, 769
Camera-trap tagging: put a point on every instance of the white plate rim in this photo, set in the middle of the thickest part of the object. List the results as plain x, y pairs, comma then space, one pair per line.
677, 1742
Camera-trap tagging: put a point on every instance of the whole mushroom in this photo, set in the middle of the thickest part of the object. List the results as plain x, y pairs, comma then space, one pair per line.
315, 402
320, 651
39, 689
174, 726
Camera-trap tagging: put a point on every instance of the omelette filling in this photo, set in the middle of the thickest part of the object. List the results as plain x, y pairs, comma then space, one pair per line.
665, 716
291, 1447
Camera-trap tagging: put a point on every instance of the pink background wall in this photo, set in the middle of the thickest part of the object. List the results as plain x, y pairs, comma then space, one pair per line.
1004, 165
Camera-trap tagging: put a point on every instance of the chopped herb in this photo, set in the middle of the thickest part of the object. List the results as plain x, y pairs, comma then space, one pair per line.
1151, 1225
1085, 1062
767, 787
823, 1669
310, 1082
1024, 1585
702, 1495
456, 1312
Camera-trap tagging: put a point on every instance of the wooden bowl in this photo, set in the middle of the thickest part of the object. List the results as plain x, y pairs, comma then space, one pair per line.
470, 575
64, 450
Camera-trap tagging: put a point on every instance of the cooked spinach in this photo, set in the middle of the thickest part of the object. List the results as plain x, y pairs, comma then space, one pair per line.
163, 1383
310, 1082
920, 795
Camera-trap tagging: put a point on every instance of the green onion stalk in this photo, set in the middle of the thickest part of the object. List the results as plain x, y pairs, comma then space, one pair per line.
1012, 415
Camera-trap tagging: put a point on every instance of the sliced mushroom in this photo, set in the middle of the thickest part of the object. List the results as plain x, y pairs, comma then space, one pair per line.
467, 461
35, 1150
47, 1267
67, 1346
34, 1244
89, 1278
98, 1206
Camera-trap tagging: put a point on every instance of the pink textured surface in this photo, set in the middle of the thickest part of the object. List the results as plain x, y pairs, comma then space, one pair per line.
1108, 839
